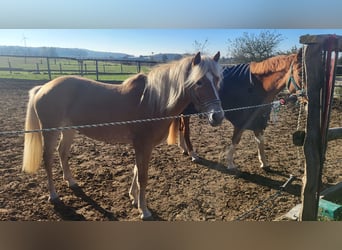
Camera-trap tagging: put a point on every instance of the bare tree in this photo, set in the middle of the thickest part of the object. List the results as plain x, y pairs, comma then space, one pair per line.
201, 46
251, 47
294, 49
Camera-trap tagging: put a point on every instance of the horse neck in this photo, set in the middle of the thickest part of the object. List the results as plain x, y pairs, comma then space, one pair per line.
273, 82
179, 107
273, 72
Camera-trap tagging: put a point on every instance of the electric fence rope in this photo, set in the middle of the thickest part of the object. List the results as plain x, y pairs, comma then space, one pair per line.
118, 123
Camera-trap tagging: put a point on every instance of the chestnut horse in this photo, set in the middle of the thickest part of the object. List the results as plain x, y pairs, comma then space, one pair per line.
263, 81
73, 101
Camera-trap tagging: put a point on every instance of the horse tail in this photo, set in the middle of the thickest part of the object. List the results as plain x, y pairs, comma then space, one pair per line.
173, 132
33, 142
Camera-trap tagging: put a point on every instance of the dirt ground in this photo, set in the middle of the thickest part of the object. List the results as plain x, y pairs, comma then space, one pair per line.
178, 190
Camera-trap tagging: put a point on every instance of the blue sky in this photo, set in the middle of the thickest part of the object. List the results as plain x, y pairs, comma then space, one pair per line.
170, 14
145, 41
143, 27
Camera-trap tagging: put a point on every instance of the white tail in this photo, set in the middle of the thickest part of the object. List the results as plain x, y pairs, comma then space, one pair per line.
33, 145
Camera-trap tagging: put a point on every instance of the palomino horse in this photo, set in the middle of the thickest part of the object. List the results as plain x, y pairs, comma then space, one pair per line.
247, 85
72, 101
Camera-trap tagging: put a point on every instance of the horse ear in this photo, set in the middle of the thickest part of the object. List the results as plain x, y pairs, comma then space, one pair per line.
217, 56
197, 59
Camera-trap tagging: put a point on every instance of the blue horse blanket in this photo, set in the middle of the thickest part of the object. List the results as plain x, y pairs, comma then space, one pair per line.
239, 88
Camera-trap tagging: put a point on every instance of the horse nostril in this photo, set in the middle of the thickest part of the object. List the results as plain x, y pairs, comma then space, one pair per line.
217, 117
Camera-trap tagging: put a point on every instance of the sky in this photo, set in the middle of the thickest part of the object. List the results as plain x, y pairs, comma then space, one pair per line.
143, 27
146, 41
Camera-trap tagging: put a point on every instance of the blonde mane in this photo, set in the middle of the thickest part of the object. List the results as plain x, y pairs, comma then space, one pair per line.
273, 64
166, 83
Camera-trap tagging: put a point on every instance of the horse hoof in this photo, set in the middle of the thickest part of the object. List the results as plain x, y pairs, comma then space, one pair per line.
185, 153
195, 159
147, 216
266, 169
54, 200
74, 186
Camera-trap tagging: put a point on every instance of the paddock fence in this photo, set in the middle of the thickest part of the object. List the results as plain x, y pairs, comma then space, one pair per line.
48, 68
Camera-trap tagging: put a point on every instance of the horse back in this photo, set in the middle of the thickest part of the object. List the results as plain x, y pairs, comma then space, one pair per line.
240, 89
80, 100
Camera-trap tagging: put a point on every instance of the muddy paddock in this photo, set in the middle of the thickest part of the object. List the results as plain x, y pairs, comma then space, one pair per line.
178, 190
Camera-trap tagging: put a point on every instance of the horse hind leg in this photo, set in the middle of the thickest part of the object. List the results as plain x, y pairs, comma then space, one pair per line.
133, 191
237, 133
142, 155
184, 138
64, 146
50, 141
259, 138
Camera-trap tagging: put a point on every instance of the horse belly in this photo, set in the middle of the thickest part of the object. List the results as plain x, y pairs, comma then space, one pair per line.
249, 116
109, 135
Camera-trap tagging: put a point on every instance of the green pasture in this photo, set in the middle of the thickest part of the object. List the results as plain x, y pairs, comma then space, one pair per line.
32, 68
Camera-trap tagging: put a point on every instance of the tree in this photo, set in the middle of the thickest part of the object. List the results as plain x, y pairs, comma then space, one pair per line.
251, 47
200, 46
292, 50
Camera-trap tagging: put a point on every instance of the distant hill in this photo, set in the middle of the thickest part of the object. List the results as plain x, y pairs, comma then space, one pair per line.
59, 52
79, 53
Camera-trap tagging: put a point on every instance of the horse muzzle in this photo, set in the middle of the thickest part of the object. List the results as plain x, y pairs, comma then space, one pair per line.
214, 112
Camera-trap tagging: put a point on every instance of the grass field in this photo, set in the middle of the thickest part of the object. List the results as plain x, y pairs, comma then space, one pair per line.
35, 68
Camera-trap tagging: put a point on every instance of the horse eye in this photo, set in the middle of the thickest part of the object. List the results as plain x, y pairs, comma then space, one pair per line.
199, 83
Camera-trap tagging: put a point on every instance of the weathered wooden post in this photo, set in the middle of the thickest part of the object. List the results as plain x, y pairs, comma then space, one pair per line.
97, 70
314, 145
10, 67
48, 68
138, 67
80, 63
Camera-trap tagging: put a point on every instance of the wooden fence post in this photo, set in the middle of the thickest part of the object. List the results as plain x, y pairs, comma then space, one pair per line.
312, 143
10, 67
97, 70
80, 63
48, 67
138, 67
319, 91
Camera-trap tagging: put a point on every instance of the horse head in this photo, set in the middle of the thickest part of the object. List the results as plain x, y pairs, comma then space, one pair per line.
295, 83
205, 75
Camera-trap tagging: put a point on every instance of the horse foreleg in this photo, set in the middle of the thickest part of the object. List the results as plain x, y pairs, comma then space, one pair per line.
259, 138
185, 138
237, 133
64, 152
50, 141
142, 156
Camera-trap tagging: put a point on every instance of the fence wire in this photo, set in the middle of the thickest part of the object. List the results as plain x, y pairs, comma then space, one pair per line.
118, 123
